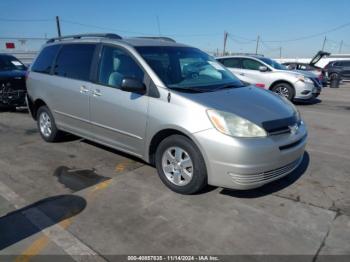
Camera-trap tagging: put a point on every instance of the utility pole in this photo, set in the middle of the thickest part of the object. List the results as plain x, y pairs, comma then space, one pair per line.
158, 24
225, 40
341, 46
257, 45
324, 43
58, 26
280, 51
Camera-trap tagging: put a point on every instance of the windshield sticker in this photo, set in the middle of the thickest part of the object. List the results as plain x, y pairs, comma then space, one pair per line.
216, 65
16, 63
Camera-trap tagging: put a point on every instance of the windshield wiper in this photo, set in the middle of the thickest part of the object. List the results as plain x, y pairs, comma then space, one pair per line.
227, 86
189, 89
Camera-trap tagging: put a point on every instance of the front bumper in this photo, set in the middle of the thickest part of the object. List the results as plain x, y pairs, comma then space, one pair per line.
247, 163
10, 97
306, 90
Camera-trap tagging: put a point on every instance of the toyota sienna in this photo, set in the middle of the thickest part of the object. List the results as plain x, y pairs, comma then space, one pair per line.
169, 104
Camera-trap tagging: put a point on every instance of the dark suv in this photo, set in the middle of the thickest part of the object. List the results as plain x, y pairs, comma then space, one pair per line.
339, 68
12, 82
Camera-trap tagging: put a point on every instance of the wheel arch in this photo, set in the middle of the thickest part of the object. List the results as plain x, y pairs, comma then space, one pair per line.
280, 81
34, 106
163, 134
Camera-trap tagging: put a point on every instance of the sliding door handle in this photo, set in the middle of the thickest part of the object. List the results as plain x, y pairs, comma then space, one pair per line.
84, 90
97, 92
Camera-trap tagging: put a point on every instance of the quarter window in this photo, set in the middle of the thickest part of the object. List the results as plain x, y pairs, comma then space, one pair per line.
45, 59
251, 64
74, 61
116, 65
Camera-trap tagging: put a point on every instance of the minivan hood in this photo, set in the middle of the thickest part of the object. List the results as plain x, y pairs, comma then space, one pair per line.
252, 103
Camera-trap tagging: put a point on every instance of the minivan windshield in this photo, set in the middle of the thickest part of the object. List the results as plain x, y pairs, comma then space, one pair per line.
273, 63
188, 69
8, 63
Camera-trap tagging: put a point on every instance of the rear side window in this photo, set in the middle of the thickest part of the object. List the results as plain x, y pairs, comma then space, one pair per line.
342, 63
251, 64
74, 61
231, 62
45, 59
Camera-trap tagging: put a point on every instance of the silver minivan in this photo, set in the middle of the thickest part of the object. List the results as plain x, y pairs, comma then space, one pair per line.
169, 104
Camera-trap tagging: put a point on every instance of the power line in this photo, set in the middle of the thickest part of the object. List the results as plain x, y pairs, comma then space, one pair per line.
25, 20
302, 37
242, 42
194, 35
242, 38
23, 38
101, 27
268, 47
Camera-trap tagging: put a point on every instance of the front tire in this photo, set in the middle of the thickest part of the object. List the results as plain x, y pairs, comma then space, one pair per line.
285, 90
46, 125
180, 165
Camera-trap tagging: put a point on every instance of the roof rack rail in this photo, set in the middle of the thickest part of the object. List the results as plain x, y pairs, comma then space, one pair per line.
108, 35
163, 38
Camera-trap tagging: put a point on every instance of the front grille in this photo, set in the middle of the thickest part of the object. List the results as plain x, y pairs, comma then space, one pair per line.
265, 176
9, 95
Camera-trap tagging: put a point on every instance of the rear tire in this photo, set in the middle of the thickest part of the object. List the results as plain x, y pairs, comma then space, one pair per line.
46, 125
333, 76
285, 90
180, 165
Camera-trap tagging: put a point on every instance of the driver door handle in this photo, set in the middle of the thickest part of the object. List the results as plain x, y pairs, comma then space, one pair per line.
242, 74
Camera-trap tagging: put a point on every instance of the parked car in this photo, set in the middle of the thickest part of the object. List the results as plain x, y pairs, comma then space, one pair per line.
12, 82
307, 67
169, 104
311, 67
339, 68
268, 74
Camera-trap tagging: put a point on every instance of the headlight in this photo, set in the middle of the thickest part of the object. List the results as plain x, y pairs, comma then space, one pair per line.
233, 125
305, 79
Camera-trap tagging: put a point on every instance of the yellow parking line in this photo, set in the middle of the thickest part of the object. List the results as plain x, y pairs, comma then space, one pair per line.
120, 167
101, 185
38, 245
33, 249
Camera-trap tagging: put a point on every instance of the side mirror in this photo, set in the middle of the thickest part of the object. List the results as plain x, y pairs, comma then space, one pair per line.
263, 68
133, 85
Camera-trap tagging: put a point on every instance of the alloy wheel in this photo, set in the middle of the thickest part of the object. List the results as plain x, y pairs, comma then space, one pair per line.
177, 166
45, 124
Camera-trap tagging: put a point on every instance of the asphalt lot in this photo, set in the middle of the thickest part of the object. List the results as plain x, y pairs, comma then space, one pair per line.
77, 198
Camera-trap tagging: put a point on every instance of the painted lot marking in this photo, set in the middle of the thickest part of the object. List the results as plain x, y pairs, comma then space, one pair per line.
56, 233
38, 245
